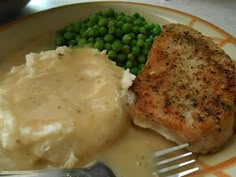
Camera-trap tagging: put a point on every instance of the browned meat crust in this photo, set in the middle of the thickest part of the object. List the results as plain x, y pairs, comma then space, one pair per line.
187, 90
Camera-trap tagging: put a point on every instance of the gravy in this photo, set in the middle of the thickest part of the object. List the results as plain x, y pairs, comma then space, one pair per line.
128, 156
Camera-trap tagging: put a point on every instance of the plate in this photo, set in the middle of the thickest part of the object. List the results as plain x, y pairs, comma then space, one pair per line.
36, 32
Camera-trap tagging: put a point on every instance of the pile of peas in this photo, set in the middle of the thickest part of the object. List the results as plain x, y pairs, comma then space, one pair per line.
127, 39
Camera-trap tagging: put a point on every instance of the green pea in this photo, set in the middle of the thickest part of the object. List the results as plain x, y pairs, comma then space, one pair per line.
91, 45
68, 35
102, 30
112, 54
126, 39
142, 59
151, 26
108, 38
112, 29
98, 38
103, 22
117, 46
148, 45
138, 22
120, 63
139, 72
118, 32
69, 28
122, 14
77, 38
72, 43
129, 64
141, 36
135, 50
157, 30
60, 41
146, 28
128, 19
134, 70
149, 40
140, 66
85, 34
132, 35
142, 30
82, 30
91, 39
119, 17
109, 12
135, 29
94, 19
111, 23
131, 56
120, 23
121, 57
152, 37
142, 19
127, 27
82, 42
89, 24
136, 15
99, 44
135, 63
140, 43
145, 51
93, 33
108, 46
126, 49
77, 27
133, 42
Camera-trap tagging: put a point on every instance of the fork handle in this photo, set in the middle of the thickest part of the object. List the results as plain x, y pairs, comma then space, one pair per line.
99, 169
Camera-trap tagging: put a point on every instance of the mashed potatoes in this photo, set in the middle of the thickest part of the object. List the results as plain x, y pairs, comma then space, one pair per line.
61, 106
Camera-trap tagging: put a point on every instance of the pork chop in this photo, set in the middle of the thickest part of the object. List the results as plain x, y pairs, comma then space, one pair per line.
186, 92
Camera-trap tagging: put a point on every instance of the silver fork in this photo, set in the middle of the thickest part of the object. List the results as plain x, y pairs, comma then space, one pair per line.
170, 165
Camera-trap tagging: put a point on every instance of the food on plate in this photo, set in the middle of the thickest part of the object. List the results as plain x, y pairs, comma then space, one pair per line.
61, 106
67, 108
127, 39
186, 91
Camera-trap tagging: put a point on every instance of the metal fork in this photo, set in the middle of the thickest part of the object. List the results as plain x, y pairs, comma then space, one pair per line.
171, 165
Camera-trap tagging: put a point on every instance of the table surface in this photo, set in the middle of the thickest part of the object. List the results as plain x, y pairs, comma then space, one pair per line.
219, 12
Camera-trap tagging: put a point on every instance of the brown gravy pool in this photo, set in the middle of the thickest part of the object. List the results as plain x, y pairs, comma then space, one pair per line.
128, 157
132, 154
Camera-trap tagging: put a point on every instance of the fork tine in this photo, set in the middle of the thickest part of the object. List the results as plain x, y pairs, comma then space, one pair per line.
184, 173
173, 167
167, 151
163, 162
